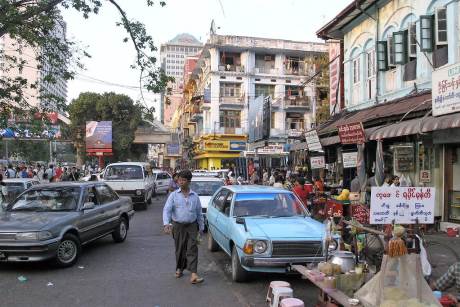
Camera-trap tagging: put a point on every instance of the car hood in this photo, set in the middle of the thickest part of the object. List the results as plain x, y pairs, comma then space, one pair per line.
31, 221
293, 228
204, 200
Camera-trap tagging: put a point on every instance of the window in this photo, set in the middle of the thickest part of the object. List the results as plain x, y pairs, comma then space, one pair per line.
230, 89
382, 55
230, 119
391, 51
441, 26
272, 120
105, 195
426, 33
356, 70
400, 47
292, 90
218, 201
264, 90
412, 40
370, 64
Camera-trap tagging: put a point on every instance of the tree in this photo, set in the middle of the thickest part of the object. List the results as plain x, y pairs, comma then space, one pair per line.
33, 24
125, 115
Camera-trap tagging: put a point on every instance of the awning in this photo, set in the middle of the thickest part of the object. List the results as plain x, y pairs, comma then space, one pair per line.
416, 126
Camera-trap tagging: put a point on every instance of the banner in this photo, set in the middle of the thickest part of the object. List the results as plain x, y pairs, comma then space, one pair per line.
99, 136
350, 159
352, 133
403, 205
446, 90
313, 142
317, 162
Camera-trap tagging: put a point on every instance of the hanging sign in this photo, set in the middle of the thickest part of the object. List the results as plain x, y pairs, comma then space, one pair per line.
352, 133
446, 90
350, 159
313, 142
317, 162
403, 205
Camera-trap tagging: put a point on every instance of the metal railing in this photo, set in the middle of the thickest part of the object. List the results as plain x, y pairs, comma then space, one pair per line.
297, 101
231, 100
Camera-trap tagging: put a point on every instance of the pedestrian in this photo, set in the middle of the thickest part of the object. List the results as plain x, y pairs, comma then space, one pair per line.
354, 185
40, 172
182, 216
278, 182
387, 181
395, 181
173, 183
73, 176
319, 184
10, 172
272, 180
23, 173
301, 191
50, 173
255, 178
35, 176
17, 172
4, 191
265, 177
58, 172
449, 279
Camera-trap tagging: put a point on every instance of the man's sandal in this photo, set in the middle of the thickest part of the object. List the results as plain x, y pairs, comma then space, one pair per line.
197, 280
179, 274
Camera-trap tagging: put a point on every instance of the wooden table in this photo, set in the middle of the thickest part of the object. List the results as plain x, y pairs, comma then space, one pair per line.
335, 294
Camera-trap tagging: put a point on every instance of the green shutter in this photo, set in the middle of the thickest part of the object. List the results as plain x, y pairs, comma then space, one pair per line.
427, 33
382, 56
400, 47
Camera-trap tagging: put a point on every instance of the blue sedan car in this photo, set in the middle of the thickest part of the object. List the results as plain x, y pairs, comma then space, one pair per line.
263, 229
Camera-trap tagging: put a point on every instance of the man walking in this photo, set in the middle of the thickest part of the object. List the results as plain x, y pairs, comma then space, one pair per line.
182, 216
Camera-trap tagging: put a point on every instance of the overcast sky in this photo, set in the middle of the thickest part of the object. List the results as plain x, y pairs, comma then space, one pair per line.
108, 68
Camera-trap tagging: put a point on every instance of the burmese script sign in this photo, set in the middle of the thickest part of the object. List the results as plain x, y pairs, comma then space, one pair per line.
352, 133
446, 90
403, 205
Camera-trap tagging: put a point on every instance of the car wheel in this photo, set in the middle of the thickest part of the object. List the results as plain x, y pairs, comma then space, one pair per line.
239, 274
212, 244
68, 251
121, 232
140, 206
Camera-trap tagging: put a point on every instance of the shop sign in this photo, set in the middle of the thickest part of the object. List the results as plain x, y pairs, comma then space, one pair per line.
404, 158
237, 145
172, 149
402, 205
294, 133
313, 142
270, 150
352, 133
425, 176
446, 90
317, 162
213, 145
350, 159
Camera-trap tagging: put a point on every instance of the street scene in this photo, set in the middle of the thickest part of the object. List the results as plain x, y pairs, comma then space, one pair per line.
230, 153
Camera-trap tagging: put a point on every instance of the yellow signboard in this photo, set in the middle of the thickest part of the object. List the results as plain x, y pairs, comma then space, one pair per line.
214, 145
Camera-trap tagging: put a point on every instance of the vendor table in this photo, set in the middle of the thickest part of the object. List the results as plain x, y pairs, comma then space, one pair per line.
337, 295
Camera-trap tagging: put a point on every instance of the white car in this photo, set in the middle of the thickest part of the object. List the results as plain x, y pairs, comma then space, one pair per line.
205, 187
131, 179
161, 180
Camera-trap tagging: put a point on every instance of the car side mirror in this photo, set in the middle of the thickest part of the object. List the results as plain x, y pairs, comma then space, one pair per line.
88, 206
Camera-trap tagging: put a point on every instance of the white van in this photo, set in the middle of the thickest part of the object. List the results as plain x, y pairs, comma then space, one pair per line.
161, 180
131, 179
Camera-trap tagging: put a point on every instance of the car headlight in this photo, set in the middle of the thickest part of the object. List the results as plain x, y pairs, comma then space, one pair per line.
260, 247
257, 246
34, 236
139, 192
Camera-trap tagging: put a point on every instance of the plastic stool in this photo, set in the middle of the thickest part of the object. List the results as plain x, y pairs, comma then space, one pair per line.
292, 302
273, 284
280, 293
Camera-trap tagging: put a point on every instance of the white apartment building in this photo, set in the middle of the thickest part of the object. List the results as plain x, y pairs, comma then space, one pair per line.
233, 71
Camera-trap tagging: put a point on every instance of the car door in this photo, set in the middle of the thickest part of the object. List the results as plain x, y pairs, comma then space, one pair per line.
223, 221
92, 221
162, 182
108, 201
213, 212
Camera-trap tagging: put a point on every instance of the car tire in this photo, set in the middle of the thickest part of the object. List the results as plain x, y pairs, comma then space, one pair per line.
212, 244
141, 206
239, 274
68, 251
121, 231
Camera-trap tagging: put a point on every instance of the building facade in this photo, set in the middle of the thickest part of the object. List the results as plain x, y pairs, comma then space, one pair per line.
231, 73
172, 58
400, 62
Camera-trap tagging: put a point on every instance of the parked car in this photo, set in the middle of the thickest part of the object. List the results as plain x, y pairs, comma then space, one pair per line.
205, 187
15, 186
161, 180
131, 179
53, 221
263, 229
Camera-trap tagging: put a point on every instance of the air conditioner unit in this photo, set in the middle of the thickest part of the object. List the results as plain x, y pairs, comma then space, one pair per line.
268, 58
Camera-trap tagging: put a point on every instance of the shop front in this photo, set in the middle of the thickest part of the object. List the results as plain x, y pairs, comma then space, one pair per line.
219, 151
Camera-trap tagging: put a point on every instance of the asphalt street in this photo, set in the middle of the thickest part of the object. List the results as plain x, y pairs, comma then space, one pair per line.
138, 272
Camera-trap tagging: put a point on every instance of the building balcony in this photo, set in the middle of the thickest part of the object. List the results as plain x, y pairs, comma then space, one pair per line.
231, 68
297, 102
265, 71
231, 102
296, 71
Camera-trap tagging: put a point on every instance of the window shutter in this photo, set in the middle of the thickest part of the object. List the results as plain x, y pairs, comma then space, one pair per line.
391, 51
400, 47
441, 26
412, 40
382, 57
426, 33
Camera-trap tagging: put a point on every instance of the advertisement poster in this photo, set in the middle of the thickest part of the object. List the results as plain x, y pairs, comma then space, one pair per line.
172, 149
317, 162
446, 90
352, 133
403, 205
99, 136
313, 142
350, 159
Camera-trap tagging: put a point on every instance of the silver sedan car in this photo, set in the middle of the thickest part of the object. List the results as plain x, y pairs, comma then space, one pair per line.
54, 221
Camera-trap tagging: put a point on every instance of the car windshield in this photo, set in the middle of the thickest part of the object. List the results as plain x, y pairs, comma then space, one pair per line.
205, 188
47, 199
268, 204
123, 172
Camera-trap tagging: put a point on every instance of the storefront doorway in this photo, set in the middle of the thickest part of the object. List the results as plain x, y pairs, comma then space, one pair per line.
452, 183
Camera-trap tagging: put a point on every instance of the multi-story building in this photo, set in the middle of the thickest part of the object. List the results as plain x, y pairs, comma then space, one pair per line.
35, 72
401, 76
232, 72
172, 58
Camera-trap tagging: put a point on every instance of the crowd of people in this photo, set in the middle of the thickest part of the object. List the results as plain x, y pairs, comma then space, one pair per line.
42, 173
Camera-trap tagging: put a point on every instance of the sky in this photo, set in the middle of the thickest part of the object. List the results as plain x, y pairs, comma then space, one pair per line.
108, 69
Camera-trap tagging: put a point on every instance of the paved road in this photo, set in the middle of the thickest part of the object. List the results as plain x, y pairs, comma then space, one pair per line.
138, 272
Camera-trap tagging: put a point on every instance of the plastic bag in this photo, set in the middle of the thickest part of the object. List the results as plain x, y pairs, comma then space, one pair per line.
426, 266
400, 282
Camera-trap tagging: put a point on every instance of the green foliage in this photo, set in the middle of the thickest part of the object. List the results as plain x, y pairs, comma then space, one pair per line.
33, 24
125, 115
